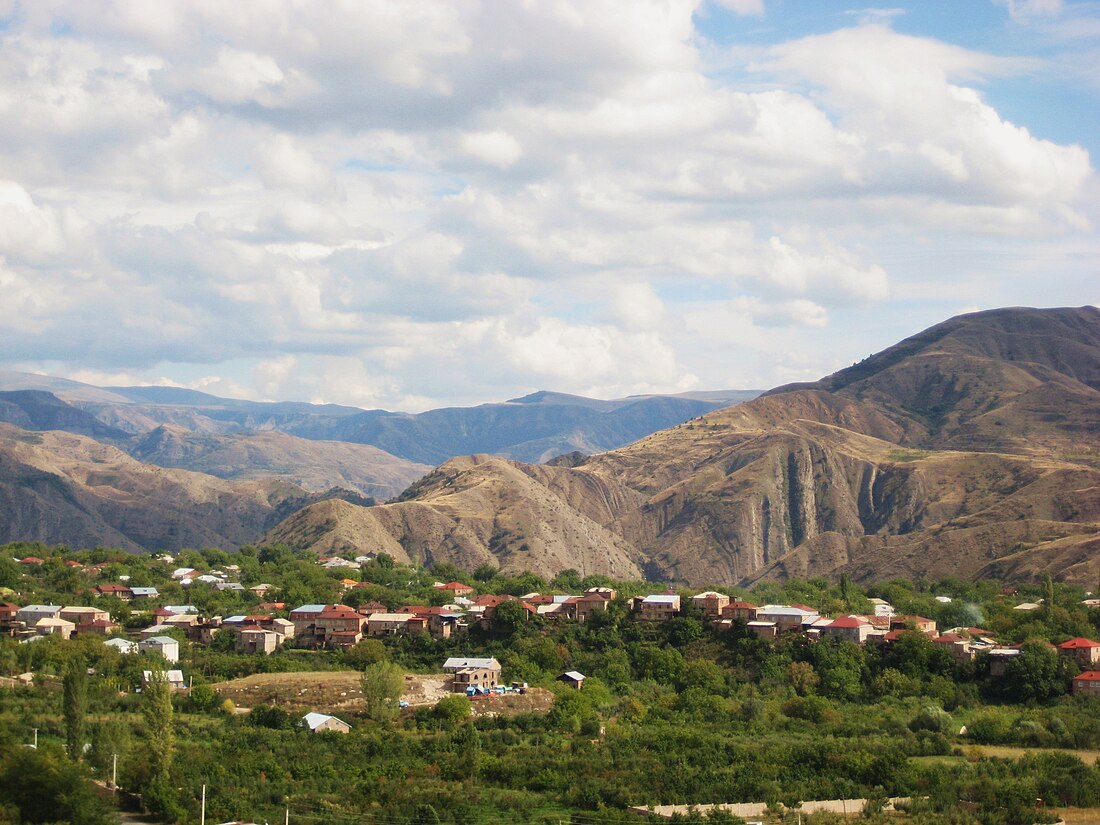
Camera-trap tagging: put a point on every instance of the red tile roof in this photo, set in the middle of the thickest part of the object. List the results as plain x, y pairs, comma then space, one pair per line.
848, 621
1079, 644
1088, 676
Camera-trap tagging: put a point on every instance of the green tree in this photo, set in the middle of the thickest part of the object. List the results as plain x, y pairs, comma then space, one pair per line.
802, 677
509, 617
382, 685
44, 787
156, 711
75, 703
453, 709
365, 653
1035, 675
467, 742
485, 572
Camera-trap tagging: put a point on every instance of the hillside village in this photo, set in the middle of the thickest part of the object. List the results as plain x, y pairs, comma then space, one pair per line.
269, 626
271, 643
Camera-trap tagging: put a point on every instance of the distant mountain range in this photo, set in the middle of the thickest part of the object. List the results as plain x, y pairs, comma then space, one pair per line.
533, 428
295, 453
970, 449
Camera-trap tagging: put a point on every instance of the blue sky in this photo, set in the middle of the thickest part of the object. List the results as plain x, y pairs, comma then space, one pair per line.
424, 203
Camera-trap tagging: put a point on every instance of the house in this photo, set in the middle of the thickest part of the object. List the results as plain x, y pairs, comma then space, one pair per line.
958, 646
1085, 651
8, 612
711, 603
787, 616
54, 627
122, 645
174, 678
181, 609
261, 589
144, 592
181, 573
118, 591
594, 600
83, 615
388, 624
323, 723
658, 607
366, 608
740, 611
327, 625
472, 673
999, 657
164, 646
882, 607
573, 678
1027, 606
257, 640
927, 626
455, 588
33, 612
849, 628
336, 563
764, 629
234, 587
1087, 683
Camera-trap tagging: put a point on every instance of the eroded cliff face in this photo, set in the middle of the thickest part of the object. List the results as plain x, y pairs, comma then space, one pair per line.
944, 455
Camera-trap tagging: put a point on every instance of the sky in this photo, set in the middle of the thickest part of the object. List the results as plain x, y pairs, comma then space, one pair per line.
414, 204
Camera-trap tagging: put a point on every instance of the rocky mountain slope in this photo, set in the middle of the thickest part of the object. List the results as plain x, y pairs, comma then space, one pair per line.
970, 449
313, 465
62, 488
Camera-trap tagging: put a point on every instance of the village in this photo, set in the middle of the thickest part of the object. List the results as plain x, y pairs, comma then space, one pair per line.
270, 626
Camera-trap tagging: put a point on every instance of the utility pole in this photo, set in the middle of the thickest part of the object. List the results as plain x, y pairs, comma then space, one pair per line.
202, 815
35, 746
287, 820
114, 773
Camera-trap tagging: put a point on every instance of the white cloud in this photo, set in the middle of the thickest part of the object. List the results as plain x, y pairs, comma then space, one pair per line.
753, 8
401, 203
496, 148
1024, 11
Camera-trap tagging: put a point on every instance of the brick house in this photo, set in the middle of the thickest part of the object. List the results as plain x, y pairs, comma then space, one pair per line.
850, 628
740, 611
119, 591
472, 673
1087, 683
1086, 652
658, 607
710, 603
455, 588
327, 625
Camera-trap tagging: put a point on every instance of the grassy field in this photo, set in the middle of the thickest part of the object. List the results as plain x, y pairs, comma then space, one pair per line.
1080, 816
1008, 752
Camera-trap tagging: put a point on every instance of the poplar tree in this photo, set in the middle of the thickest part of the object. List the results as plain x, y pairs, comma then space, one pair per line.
75, 706
156, 710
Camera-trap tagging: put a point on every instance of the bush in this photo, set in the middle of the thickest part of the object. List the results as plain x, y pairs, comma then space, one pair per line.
933, 719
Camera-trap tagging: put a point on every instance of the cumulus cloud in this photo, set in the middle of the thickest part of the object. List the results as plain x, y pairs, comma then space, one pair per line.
403, 204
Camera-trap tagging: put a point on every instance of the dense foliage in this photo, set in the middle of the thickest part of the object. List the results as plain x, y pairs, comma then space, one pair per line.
671, 713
